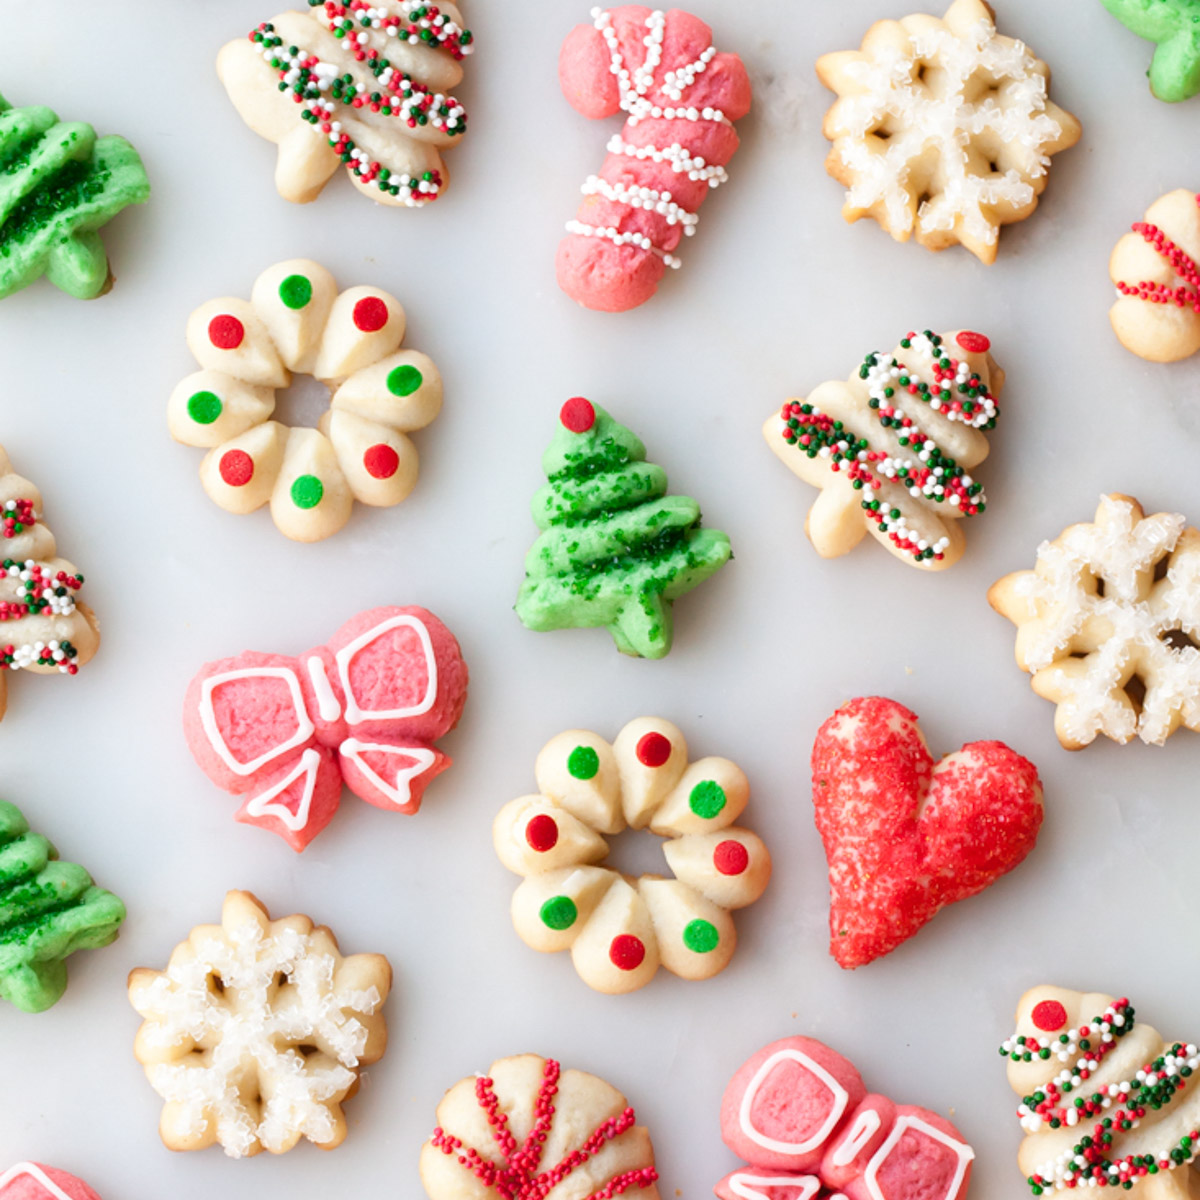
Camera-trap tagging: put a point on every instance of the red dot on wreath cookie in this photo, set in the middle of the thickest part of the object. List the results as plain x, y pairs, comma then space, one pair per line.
370, 314
730, 857
236, 467
973, 343
653, 749
626, 952
381, 461
577, 415
226, 332
1049, 1015
542, 833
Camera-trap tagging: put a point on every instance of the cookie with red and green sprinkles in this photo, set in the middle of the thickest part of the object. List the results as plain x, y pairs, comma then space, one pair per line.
620, 930
353, 84
296, 322
60, 185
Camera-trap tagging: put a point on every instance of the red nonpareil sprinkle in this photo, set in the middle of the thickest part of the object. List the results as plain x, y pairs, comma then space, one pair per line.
1184, 295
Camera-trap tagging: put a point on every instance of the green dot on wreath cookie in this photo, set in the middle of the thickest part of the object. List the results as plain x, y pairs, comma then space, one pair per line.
700, 936
559, 912
583, 762
307, 491
204, 407
296, 291
404, 380
707, 799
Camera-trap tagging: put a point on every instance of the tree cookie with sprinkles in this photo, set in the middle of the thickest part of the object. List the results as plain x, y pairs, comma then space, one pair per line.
36, 1181
530, 1129
297, 322
256, 1032
680, 99
44, 627
1105, 1100
892, 447
615, 550
943, 129
1155, 271
363, 84
60, 185
800, 1115
1108, 625
620, 930
364, 710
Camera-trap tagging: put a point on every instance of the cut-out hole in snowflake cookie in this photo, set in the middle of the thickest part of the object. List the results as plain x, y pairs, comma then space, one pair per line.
257, 1030
620, 929
296, 323
971, 128
1119, 659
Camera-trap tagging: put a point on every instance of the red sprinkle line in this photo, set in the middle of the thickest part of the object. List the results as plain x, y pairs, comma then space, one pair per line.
518, 1178
1187, 294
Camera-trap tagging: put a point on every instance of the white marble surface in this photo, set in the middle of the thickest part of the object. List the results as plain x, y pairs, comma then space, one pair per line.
776, 295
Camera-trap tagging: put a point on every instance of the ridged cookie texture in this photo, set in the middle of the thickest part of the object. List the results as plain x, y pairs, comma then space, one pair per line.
59, 185
48, 910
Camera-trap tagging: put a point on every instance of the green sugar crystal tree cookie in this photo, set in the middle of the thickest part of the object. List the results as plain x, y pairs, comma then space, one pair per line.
59, 184
615, 549
1174, 25
48, 910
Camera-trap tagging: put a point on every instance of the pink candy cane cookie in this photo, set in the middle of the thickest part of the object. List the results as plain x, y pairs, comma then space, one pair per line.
363, 710
801, 1116
681, 99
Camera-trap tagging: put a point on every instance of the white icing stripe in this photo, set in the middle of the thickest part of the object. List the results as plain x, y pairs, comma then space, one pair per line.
345, 656
650, 199
903, 1124
327, 703
208, 718
262, 806
400, 793
863, 1129
676, 157
840, 1099
34, 1172
746, 1186
639, 240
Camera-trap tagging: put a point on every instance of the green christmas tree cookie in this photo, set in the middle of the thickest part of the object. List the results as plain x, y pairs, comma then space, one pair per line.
59, 184
615, 550
1174, 25
48, 910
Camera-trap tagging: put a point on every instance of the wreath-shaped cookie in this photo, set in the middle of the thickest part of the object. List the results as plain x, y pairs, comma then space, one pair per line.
618, 929
297, 321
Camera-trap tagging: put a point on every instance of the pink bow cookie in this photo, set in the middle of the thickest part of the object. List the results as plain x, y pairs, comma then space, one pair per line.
362, 710
801, 1116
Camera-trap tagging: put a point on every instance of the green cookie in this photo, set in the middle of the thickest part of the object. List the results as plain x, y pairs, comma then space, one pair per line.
59, 184
1175, 26
48, 910
616, 549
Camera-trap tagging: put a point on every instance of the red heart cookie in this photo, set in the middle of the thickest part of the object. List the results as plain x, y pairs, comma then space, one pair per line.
905, 837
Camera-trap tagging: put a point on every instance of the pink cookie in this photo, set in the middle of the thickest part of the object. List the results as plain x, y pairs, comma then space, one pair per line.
681, 98
35, 1181
801, 1116
362, 710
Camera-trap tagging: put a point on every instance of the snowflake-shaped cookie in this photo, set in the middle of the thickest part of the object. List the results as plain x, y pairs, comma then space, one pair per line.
942, 128
257, 1030
296, 322
1108, 624
620, 929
